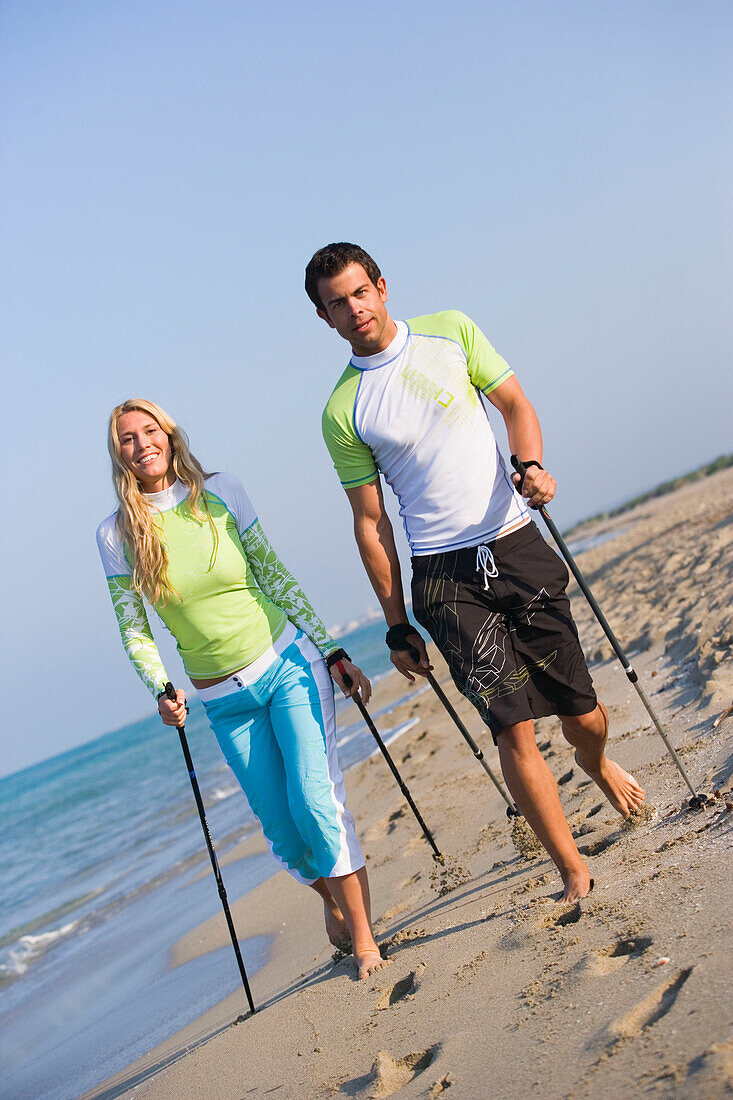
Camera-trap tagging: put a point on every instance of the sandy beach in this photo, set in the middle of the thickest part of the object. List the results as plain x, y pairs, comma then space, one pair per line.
494, 988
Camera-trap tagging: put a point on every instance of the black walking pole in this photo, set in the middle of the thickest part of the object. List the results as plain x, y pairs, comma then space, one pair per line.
170, 692
631, 674
511, 809
437, 854
396, 644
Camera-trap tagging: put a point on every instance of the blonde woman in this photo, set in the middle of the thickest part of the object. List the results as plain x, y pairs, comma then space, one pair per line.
252, 646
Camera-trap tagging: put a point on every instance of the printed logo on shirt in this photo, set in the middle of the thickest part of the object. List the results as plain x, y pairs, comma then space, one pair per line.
432, 392
419, 383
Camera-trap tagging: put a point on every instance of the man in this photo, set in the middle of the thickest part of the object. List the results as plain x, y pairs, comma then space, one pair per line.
411, 406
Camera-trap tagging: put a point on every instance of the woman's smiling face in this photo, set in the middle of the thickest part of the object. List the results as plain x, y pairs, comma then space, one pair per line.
146, 450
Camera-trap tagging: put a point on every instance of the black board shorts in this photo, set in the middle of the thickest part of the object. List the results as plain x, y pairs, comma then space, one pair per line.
500, 616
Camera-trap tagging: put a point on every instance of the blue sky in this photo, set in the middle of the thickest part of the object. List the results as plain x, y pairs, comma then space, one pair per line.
560, 171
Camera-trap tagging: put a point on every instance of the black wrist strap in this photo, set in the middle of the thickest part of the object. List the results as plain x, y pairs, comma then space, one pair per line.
397, 636
337, 655
527, 464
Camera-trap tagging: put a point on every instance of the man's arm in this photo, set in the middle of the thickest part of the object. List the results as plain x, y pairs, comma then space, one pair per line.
525, 440
375, 539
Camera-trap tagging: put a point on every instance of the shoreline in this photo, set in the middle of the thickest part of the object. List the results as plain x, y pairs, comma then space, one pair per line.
625, 990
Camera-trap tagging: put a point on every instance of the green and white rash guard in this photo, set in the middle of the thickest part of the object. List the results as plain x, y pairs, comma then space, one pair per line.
233, 601
415, 412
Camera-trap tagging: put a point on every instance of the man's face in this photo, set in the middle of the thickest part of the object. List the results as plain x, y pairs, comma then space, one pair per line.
356, 308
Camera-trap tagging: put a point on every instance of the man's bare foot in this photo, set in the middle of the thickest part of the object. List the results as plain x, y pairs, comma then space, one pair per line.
337, 929
578, 884
369, 960
620, 788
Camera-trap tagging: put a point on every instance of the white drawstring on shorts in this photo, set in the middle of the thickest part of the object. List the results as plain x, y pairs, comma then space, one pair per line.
485, 561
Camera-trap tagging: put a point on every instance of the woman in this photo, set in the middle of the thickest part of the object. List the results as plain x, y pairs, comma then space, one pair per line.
252, 646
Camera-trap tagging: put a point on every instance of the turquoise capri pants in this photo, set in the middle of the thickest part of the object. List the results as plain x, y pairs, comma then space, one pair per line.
278, 735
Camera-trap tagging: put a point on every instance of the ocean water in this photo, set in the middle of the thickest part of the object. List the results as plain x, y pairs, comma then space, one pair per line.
103, 868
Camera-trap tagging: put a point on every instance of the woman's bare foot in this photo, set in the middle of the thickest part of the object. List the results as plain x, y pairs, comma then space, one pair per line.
337, 929
368, 960
620, 788
351, 894
578, 884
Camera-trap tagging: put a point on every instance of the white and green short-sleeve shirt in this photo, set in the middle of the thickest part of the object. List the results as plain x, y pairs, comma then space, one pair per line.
416, 413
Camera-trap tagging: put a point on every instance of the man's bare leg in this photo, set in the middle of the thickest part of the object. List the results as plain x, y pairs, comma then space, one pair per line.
351, 894
588, 733
337, 929
531, 783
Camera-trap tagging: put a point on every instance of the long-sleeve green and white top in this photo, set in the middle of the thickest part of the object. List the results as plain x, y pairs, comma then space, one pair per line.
232, 601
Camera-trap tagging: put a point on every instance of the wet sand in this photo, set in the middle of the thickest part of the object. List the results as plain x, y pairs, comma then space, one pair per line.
495, 989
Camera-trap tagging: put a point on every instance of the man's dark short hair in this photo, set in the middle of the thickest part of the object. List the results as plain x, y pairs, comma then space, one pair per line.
331, 260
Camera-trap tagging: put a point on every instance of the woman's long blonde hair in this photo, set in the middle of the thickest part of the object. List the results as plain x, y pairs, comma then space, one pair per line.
135, 518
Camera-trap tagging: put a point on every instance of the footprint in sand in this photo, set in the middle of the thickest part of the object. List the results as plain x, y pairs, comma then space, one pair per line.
388, 1075
395, 911
597, 846
647, 1012
386, 826
416, 843
708, 1074
405, 935
570, 916
401, 989
394, 818
644, 815
609, 959
631, 947
530, 923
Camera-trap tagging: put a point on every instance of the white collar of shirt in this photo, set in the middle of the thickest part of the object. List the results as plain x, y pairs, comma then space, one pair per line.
381, 358
168, 498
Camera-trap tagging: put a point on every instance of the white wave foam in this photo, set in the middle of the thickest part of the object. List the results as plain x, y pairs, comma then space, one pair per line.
16, 958
351, 625
220, 793
359, 728
579, 546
